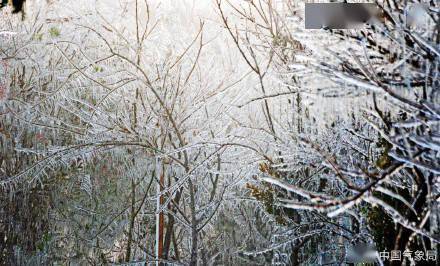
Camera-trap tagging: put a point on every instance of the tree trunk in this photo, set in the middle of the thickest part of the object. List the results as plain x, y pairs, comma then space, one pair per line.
194, 243
132, 218
404, 235
160, 217
170, 226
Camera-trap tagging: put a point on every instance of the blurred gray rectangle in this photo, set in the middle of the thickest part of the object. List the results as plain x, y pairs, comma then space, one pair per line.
360, 253
339, 15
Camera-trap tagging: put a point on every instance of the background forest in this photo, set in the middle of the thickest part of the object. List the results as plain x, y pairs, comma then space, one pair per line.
217, 132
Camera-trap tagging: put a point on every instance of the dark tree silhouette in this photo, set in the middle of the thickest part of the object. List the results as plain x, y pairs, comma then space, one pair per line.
17, 4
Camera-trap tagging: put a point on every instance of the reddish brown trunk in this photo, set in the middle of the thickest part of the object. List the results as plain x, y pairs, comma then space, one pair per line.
161, 217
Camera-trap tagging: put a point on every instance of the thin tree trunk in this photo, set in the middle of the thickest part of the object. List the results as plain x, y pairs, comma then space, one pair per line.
403, 237
160, 216
170, 226
194, 243
132, 218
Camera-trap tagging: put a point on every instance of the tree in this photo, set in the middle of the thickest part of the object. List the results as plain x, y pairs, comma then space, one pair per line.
382, 163
131, 113
170, 134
